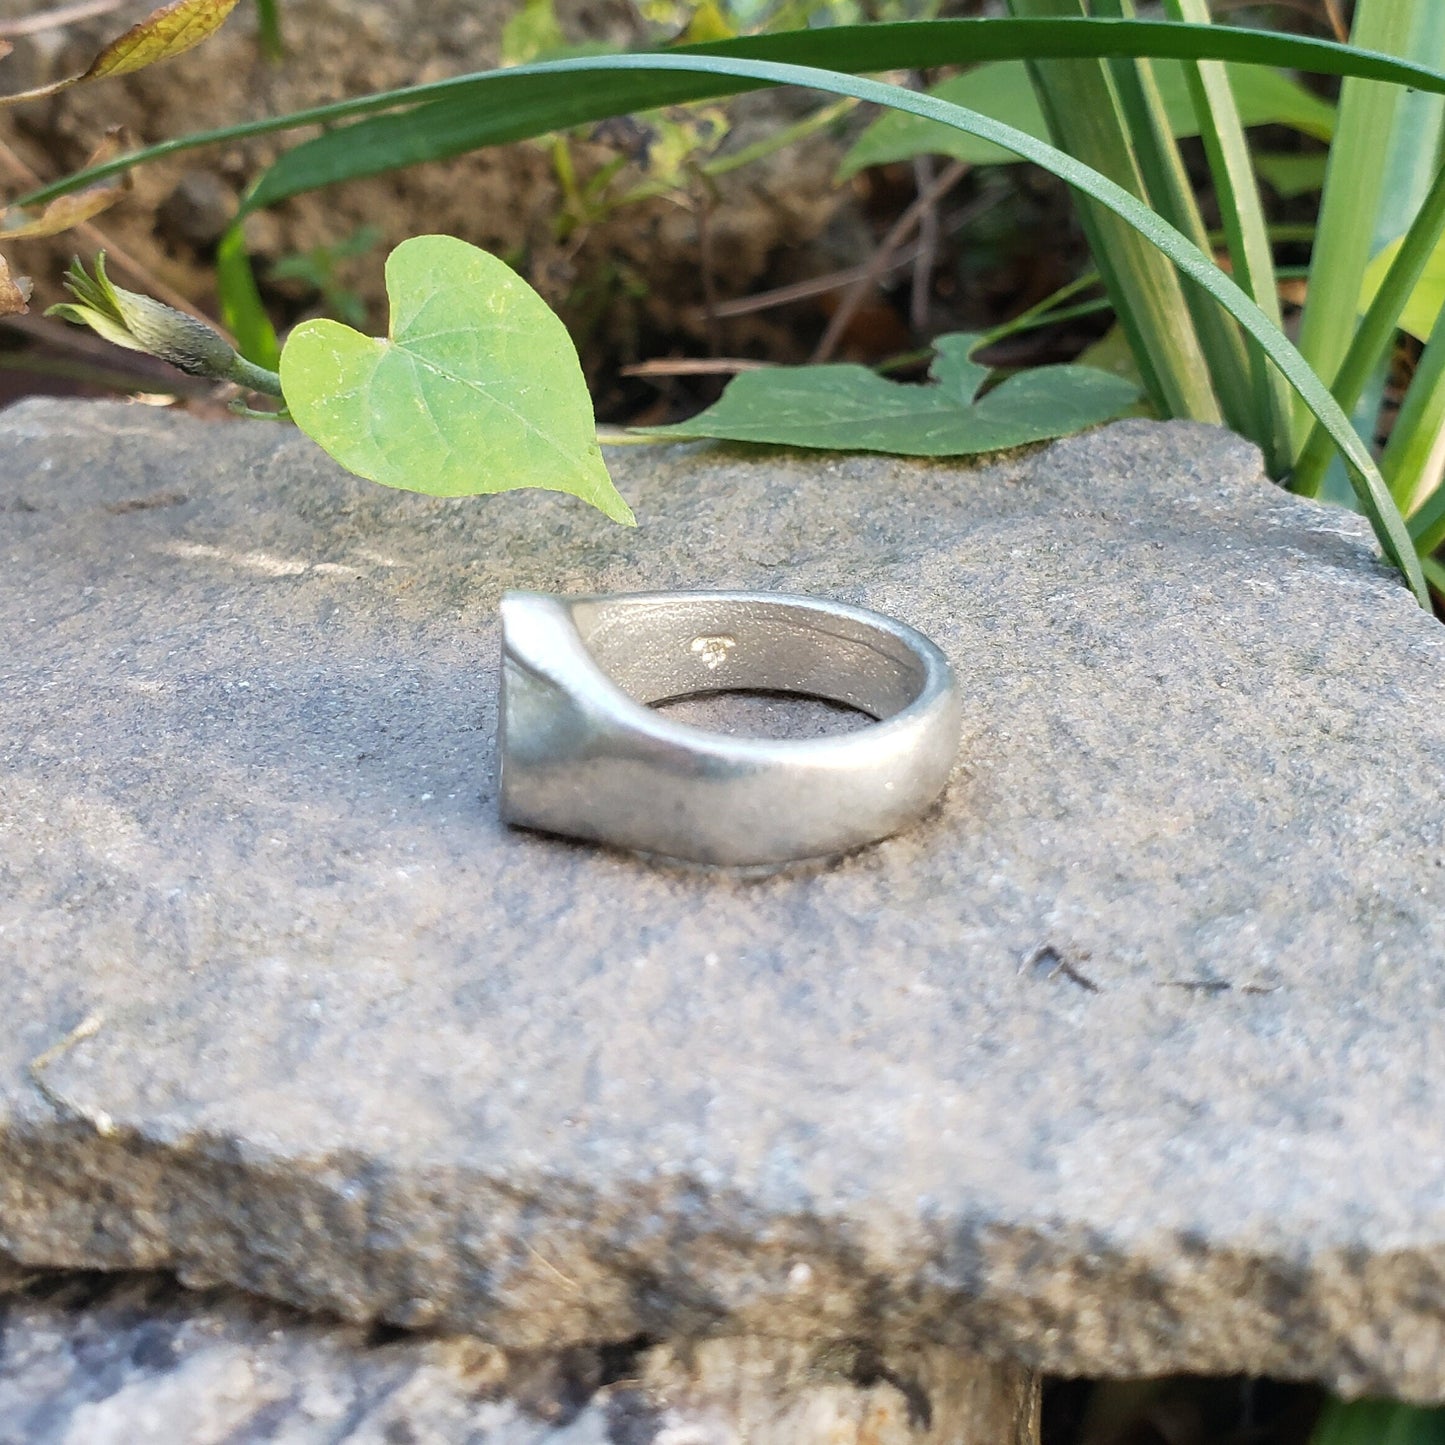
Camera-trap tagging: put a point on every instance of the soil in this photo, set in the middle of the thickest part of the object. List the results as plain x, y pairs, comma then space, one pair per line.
622, 283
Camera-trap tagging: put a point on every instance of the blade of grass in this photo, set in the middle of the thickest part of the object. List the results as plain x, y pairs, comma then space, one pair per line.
1374, 337
1427, 526
449, 117
1412, 463
1169, 190
1434, 575
1052, 312
1236, 192
1082, 107
1408, 167
1042, 313
1416, 454
1379, 1422
1354, 186
242, 311
268, 29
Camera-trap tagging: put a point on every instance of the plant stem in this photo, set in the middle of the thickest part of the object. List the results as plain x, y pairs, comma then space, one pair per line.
254, 378
268, 15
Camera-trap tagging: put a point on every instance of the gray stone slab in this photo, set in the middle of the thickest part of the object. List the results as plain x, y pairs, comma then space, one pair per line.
287, 1008
126, 1359
93, 1361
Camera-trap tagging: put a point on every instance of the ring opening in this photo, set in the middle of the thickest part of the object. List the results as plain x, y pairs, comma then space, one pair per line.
771, 715
657, 649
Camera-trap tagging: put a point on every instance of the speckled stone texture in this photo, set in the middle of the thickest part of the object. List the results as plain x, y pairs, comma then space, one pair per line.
136, 1360
1127, 1059
91, 1361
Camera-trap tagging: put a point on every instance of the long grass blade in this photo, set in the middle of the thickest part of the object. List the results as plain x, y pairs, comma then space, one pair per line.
1427, 526
1412, 463
1379, 1422
1236, 190
1435, 576
449, 117
1376, 333
1082, 107
1354, 188
1170, 191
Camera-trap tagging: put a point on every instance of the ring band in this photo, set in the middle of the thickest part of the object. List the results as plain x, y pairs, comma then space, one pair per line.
582, 755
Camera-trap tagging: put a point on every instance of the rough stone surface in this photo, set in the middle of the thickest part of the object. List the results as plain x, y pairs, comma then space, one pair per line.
635, 271
1127, 1059
96, 1360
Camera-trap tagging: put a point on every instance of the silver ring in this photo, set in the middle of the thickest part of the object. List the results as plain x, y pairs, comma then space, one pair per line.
582, 755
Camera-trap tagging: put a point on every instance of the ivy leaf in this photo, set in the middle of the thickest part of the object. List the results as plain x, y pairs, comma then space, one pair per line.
477, 389
172, 30
849, 408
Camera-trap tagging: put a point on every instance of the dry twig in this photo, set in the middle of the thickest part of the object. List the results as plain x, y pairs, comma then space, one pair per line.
695, 366
879, 262
58, 18
94, 237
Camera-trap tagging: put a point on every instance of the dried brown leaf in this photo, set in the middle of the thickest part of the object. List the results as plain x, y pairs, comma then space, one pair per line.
169, 31
14, 292
78, 207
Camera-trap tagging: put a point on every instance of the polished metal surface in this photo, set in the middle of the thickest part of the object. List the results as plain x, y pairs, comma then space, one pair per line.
583, 755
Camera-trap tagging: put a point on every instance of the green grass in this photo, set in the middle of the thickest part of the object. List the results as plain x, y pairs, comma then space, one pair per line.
1206, 345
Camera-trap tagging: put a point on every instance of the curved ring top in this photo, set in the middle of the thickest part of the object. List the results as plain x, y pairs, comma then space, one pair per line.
583, 754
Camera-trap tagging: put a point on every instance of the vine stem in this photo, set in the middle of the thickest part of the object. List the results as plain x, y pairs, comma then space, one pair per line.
254, 378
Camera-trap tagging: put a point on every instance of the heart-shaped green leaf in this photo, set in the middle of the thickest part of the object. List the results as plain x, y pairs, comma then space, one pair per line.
849, 408
477, 389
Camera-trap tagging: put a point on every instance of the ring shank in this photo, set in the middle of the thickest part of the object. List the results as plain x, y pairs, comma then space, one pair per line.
583, 756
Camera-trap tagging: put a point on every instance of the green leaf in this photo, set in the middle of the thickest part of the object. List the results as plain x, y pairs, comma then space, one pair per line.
1377, 1422
170, 31
477, 389
533, 31
1292, 174
1002, 90
849, 408
1355, 189
1370, 347
1421, 310
242, 309
1100, 114
1412, 464
1222, 122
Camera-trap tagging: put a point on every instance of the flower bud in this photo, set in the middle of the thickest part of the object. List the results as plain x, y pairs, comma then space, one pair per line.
140, 323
